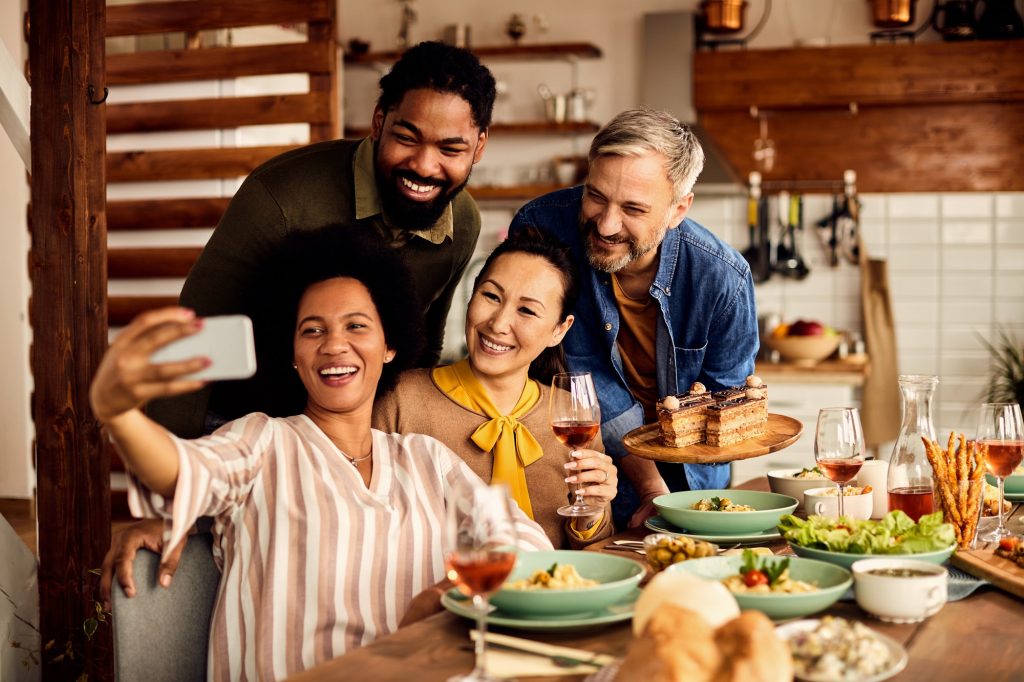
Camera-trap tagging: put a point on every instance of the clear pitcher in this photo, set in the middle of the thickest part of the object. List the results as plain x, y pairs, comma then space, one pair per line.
910, 483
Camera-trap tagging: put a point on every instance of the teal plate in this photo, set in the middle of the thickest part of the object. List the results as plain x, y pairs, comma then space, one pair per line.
846, 559
617, 612
1013, 486
1014, 497
660, 525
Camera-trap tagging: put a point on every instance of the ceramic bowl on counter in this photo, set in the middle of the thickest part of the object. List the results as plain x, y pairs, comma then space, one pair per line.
900, 590
677, 509
786, 482
805, 351
825, 502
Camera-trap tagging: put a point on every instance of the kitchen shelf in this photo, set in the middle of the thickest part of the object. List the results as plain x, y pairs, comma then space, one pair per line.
520, 128
512, 192
536, 51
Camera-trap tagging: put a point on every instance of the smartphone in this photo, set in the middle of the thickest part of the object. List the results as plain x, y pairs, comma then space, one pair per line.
226, 339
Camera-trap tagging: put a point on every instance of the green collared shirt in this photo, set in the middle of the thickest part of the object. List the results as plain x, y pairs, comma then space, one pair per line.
368, 200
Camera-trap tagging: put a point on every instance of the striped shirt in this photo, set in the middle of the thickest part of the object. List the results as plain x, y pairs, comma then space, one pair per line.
313, 562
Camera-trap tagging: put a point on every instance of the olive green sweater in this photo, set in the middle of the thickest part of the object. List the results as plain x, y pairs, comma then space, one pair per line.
302, 189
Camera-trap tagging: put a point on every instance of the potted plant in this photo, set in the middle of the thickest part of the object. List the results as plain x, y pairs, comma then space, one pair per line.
1006, 378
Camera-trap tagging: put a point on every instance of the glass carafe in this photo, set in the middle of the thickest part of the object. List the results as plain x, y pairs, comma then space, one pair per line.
909, 483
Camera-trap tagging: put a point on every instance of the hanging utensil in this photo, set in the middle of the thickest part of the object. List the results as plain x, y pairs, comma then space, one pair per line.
781, 251
752, 254
797, 266
828, 228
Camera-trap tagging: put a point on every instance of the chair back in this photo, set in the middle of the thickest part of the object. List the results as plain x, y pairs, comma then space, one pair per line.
162, 634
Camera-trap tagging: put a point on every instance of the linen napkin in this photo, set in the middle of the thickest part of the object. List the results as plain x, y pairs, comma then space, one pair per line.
504, 663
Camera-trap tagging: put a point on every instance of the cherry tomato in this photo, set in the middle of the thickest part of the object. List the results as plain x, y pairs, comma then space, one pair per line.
754, 578
1008, 544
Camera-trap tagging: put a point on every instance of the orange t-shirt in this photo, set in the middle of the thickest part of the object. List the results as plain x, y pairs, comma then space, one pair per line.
638, 320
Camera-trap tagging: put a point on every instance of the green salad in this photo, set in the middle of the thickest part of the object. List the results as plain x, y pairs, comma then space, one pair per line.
896, 533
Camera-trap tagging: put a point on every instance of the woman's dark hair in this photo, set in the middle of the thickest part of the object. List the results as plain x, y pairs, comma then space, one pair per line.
440, 67
537, 242
312, 256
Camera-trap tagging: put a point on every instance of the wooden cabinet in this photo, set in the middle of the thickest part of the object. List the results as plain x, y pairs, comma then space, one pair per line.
565, 52
930, 117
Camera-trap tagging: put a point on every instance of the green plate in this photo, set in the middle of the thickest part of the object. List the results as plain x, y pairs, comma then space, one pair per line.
845, 559
620, 611
617, 576
1013, 485
660, 525
832, 582
675, 508
1014, 497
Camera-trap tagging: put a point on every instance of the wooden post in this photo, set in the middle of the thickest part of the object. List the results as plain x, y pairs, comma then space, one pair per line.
68, 314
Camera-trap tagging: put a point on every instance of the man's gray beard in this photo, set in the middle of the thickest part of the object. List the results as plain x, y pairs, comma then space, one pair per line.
612, 266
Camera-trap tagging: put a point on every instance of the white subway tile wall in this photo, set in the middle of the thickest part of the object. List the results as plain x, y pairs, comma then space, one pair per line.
956, 268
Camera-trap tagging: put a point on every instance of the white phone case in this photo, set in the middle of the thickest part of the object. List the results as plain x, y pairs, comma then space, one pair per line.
226, 339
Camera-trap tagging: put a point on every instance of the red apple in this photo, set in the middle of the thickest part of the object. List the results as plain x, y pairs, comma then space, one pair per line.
806, 328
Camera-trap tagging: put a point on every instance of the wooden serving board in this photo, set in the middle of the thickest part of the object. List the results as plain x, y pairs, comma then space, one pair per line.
646, 442
983, 563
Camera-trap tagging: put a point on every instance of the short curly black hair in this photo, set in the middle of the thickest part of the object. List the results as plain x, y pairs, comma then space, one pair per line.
311, 256
436, 66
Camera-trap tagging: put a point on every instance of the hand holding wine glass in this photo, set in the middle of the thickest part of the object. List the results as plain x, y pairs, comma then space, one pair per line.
1001, 433
481, 534
839, 446
575, 419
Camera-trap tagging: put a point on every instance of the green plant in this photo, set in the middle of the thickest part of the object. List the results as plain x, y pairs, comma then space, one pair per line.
1006, 378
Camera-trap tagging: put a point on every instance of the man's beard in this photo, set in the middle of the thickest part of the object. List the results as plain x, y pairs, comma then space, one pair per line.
406, 213
637, 249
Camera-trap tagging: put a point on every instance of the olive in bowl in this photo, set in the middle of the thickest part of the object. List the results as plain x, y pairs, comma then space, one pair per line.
663, 549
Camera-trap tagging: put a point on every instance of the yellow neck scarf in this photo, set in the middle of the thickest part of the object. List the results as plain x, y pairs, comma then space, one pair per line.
513, 446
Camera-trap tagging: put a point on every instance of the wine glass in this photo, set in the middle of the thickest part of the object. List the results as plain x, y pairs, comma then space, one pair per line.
481, 537
839, 445
1001, 433
575, 419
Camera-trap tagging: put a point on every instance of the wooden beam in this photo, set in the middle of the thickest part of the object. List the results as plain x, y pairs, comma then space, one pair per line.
67, 267
188, 164
146, 263
517, 52
160, 214
876, 75
198, 15
171, 66
123, 309
229, 112
326, 83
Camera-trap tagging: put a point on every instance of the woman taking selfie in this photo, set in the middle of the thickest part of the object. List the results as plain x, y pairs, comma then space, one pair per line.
321, 549
492, 407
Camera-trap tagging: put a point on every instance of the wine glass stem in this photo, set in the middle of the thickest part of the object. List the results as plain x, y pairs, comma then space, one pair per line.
840, 498
480, 667
1000, 529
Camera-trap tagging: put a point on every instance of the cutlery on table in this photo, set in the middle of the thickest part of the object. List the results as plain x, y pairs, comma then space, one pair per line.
559, 655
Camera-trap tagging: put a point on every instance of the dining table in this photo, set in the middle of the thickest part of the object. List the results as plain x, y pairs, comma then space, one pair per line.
975, 638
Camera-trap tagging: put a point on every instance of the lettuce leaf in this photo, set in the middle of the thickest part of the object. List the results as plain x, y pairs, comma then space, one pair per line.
896, 533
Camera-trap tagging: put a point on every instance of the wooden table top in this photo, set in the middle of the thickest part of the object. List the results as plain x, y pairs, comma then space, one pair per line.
977, 638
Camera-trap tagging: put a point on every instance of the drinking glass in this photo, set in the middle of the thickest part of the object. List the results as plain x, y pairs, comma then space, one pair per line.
575, 419
481, 537
839, 446
1001, 433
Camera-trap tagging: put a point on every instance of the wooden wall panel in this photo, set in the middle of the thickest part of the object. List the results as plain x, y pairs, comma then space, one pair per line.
142, 263
198, 15
954, 148
931, 118
201, 114
188, 164
159, 214
174, 66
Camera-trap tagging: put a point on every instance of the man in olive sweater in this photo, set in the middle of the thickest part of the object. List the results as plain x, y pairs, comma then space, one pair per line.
404, 182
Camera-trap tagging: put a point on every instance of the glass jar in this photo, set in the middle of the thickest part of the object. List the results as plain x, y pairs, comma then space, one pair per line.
909, 482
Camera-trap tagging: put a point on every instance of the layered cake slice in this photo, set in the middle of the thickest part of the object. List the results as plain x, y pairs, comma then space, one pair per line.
682, 417
738, 414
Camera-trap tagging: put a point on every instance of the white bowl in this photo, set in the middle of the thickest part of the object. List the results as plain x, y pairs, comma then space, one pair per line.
900, 599
784, 482
818, 502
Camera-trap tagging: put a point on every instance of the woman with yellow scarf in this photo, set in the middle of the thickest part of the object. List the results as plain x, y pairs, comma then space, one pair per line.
492, 407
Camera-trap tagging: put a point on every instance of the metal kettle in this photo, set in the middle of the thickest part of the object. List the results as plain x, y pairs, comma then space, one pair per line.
957, 20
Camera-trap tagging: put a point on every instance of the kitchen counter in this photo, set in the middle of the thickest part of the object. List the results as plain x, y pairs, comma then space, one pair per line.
826, 372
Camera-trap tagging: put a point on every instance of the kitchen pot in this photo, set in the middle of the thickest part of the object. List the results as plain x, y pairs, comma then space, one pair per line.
723, 16
954, 20
892, 13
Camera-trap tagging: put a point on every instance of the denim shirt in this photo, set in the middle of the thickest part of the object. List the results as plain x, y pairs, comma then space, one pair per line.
707, 329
